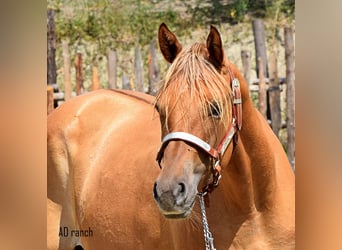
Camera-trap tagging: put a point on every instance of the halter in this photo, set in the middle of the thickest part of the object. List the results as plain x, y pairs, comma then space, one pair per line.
214, 153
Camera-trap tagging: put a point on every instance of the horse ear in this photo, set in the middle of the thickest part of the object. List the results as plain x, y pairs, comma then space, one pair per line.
214, 46
168, 43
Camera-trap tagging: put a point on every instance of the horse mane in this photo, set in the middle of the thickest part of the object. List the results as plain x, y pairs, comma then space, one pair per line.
192, 72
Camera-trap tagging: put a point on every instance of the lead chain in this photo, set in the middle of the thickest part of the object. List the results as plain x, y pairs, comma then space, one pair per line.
209, 240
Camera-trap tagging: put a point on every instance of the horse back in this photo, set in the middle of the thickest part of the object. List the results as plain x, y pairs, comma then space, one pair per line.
101, 151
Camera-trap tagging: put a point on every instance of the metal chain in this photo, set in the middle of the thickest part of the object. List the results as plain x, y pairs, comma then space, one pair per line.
209, 240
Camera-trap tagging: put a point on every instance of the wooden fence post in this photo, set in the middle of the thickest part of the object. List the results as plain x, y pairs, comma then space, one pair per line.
246, 65
262, 89
153, 70
260, 44
67, 75
51, 48
95, 79
112, 69
138, 70
125, 82
79, 73
290, 94
260, 51
274, 95
50, 105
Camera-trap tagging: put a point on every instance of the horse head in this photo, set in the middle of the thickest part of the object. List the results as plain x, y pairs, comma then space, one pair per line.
195, 106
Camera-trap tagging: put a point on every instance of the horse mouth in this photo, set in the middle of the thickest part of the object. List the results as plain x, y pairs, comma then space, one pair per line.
181, 215
177, 216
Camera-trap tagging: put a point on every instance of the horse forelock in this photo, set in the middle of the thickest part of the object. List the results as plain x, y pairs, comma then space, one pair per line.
193, 80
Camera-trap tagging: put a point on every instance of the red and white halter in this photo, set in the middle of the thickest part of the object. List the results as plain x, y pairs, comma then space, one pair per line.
215, 153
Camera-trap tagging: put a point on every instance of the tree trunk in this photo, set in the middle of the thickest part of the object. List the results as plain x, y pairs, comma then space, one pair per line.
51, 48
262, 89
138, 70
79, 73
112, 69
153, 70
290, 95
67, 75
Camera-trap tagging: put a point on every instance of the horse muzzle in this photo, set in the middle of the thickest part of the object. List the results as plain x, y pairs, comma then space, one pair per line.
174, 203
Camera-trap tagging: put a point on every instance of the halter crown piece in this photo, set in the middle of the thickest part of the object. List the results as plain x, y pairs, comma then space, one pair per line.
215, 153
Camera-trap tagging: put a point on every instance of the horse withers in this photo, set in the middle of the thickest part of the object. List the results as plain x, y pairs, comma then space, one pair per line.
103, 176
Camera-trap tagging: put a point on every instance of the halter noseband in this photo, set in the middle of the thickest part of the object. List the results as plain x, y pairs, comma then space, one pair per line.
215, 153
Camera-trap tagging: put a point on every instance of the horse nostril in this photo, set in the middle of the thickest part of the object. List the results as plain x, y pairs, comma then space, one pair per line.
155, 194
182, 187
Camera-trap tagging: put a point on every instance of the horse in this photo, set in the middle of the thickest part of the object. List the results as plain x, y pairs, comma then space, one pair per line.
129, 167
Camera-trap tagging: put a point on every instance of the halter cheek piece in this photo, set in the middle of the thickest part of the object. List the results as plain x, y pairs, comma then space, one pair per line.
215, 153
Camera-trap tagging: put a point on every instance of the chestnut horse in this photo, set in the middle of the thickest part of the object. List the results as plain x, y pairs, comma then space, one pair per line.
101, 162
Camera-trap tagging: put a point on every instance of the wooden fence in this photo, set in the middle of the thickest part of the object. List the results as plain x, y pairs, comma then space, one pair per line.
268, 85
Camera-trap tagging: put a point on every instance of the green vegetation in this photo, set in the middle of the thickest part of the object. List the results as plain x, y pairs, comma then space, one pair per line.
127, 22
236, 11
94, 26
110, 23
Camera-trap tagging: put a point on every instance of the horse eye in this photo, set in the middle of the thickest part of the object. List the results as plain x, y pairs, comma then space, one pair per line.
214, 110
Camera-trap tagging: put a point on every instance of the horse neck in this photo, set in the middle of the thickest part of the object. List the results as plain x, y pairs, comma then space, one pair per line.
249, 179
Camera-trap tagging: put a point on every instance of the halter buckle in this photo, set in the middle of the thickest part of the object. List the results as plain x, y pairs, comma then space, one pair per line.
217, 173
